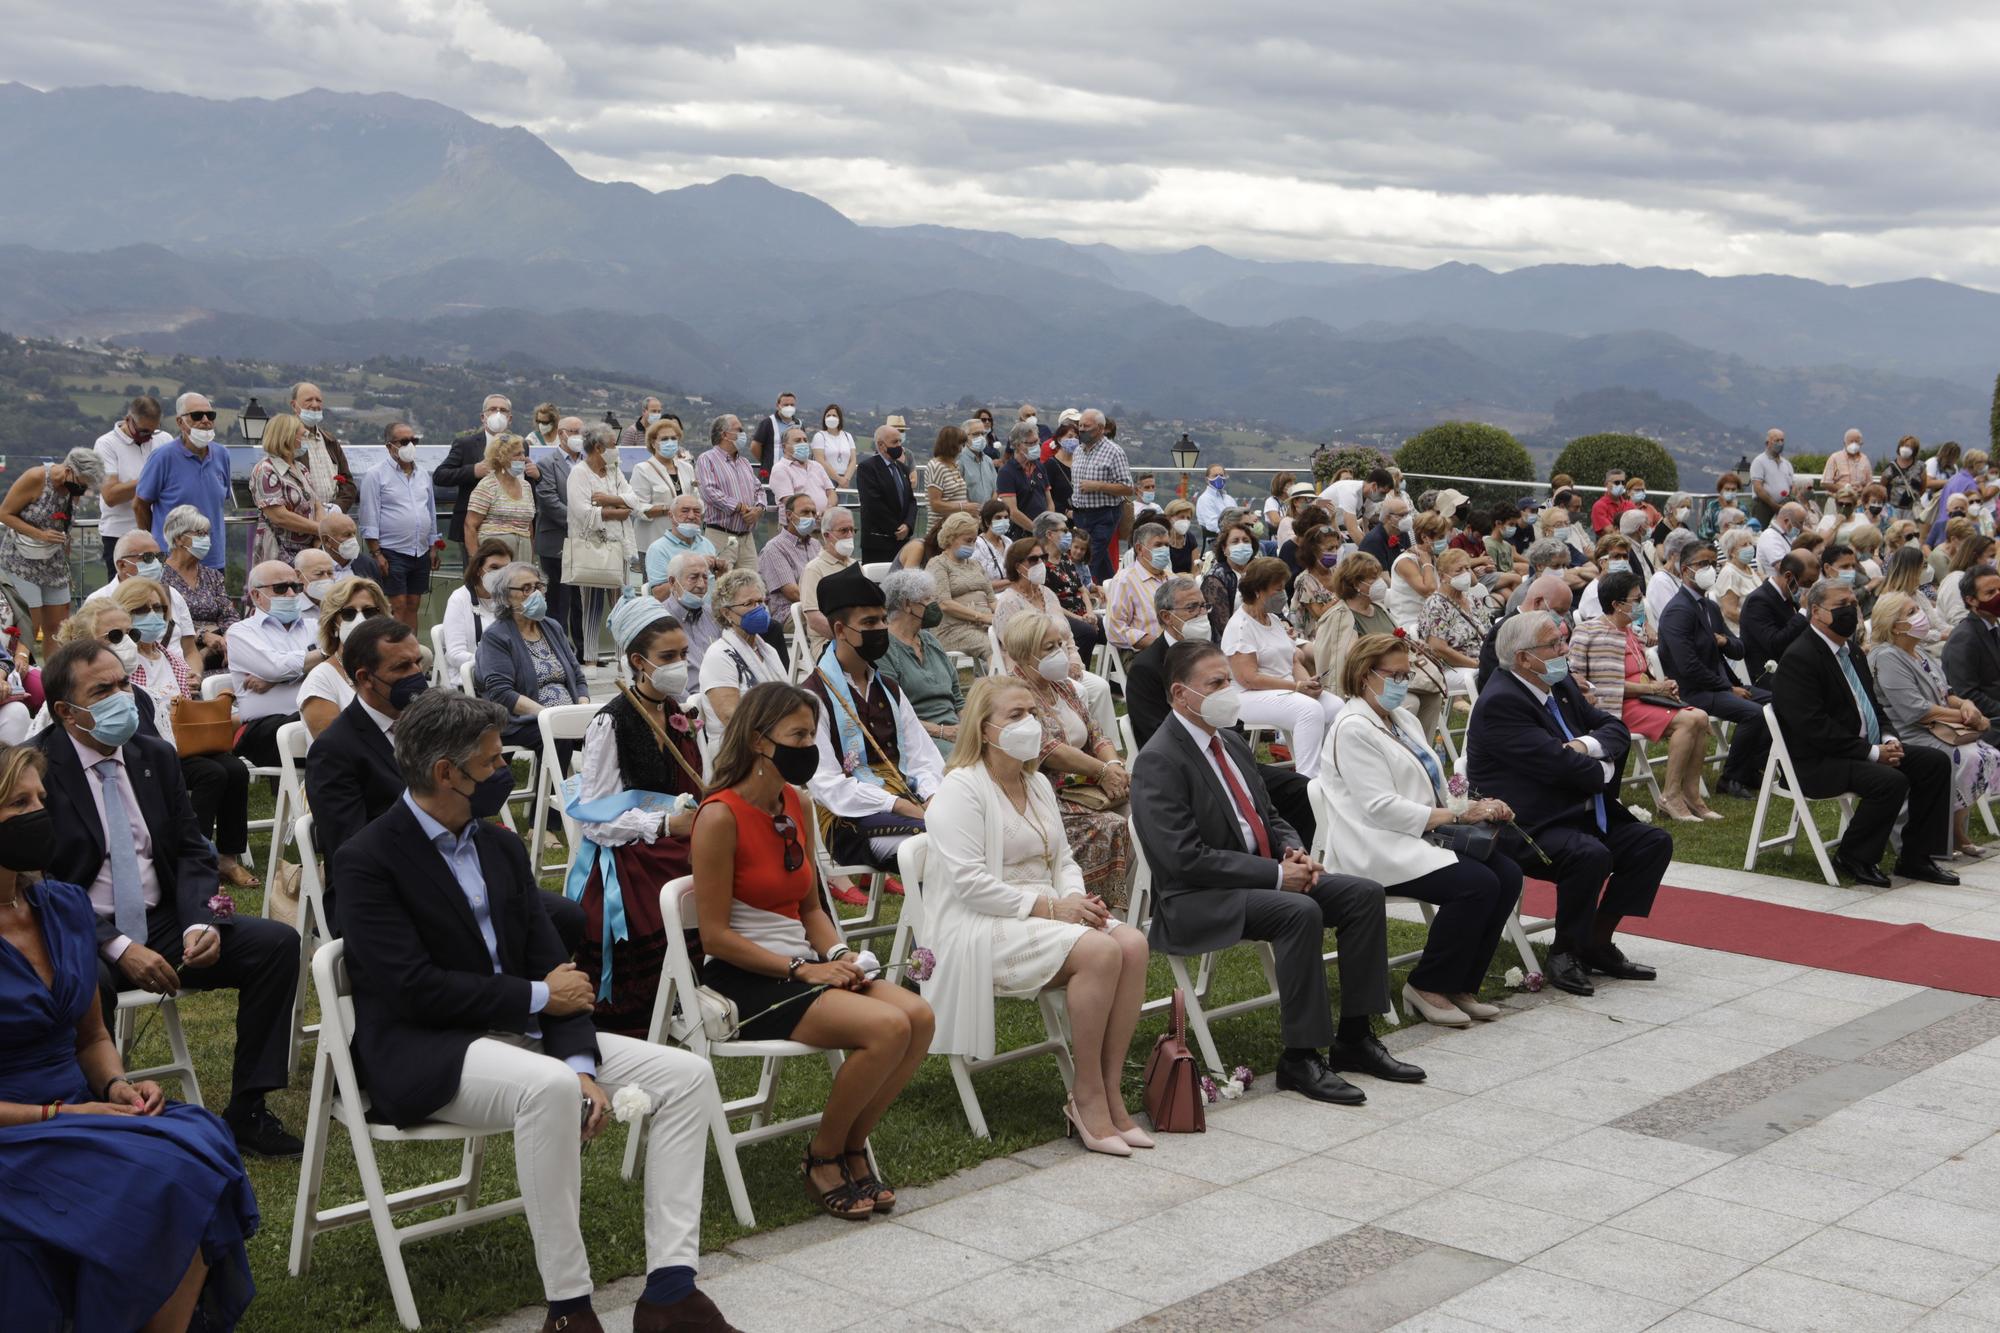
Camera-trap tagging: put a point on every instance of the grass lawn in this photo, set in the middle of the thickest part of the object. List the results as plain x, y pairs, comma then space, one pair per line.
465, 1279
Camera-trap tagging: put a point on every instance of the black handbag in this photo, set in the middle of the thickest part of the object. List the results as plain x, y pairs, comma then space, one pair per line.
1474, 842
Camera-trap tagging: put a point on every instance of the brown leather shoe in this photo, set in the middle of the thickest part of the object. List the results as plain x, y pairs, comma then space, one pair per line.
579, 1321
695, 1313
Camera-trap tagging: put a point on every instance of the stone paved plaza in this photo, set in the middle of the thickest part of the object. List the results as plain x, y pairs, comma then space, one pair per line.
1743, 1144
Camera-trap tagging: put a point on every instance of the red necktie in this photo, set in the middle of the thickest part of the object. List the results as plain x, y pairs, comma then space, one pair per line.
1241, 797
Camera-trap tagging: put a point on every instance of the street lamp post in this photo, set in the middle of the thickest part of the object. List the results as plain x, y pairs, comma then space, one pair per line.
251, 421
1186, 454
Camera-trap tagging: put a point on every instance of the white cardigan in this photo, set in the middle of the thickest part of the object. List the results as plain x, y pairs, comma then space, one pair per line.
963, 892
1381, 798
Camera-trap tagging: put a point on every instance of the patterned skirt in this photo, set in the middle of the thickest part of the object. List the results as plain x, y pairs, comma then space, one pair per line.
1101, 842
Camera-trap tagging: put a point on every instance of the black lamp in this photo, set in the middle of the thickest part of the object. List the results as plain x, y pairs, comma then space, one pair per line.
251, 422
1186, 453
611, 420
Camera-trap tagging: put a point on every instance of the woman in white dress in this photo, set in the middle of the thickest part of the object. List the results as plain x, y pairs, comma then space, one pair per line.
327, 690
1279, 688
1006, 914
469, 610
601, 506
833, 446
661, 478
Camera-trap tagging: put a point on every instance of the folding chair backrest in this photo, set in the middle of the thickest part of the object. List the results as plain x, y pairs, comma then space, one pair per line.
336, 1014
912, 861
800, 660
996, 659
312, 883
1781, 752
465, 680
216, 686
679, 914
877, 570
440, 670
1128, 744
1141, 905
294, 739
1322, 808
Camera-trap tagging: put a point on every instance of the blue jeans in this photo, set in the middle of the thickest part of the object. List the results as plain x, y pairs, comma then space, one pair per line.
1101, 523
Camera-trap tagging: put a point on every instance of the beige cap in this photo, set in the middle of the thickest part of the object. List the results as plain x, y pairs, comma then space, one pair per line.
1447, 502
1069, 414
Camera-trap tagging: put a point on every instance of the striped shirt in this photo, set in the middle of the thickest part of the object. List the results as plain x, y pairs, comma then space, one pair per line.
1131, 612
1103, 461
726, 481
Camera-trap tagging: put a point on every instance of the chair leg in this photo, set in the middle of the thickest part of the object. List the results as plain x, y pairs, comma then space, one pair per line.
1757, 820
473, 1168
183, 1062
725, 1154
1197, 1019
975, 1118
383, 1223
312, 1167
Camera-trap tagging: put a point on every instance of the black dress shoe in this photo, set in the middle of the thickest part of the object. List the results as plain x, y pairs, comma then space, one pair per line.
1927, 870
1872, 876
1738, 790
1611, 961
1370, 1056
260, 1133
1566, 974
1310, 1076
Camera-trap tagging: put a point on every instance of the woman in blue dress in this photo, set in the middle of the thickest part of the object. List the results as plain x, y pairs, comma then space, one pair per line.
117, 1211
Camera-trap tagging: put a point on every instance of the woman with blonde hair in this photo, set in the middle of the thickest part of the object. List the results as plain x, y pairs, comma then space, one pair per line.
965, 593
1737, 576
1974, 549
327, 689
1182, 539
1007, 913
1455, 619
662, 477
1919, 708
287, 507
1091, 782
502, 505
772, 948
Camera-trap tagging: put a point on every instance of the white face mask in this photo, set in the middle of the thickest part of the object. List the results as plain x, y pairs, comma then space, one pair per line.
316, 590
201, 437
1181, 526
1379, 590
1704, 578
347, 627
496, 422
1461, 581
350, 548
670, 680
1055, 666
126, 651
1197, 629
1906, 454
1221, 709
832, 422
405, 453
788, 411
1038, 574
1022, 739
844, 548
1028, 420
1854, 446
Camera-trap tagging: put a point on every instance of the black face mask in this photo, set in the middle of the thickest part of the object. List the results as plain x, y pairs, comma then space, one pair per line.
27, 841
895, 451
1845, 620
489, 796
405, 691
933, 616
874, 643
796, 764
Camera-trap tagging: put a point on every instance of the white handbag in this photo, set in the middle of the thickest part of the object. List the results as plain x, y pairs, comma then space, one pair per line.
588, 563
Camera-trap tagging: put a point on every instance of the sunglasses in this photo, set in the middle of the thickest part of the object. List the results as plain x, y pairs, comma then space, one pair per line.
199, 416
119, 636
293, 588
350, 612
795, 851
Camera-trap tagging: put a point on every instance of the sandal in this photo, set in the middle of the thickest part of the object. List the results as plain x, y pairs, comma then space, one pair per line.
844, 1201
871, 1186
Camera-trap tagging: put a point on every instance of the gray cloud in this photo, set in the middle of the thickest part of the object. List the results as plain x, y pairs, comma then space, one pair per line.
1848, 142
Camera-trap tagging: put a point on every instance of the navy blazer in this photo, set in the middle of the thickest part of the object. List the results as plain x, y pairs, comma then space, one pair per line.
183, 860
1770, 622
887, 499
1816, 708
1688, 650
467, 452
351, 780
504, 671
424, 984
1518, 755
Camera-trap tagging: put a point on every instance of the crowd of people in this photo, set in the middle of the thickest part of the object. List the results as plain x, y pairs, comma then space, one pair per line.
782, 717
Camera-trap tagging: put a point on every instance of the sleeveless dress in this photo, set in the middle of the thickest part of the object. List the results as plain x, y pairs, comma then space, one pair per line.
48, 571
100, 1215
1028, 953
764, 909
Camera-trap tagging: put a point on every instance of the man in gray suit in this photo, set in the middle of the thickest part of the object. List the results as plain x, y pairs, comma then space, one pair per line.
552, 525
1227, 868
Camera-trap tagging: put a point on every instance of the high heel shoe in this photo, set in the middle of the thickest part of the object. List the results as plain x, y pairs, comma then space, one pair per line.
1701, 808
1137, 1137
1475, 1008
1111, 1147
1451, 1016
1677, 809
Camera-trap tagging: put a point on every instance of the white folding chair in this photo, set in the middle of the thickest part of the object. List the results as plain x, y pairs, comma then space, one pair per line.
1782, 781
869, 924
677, 1018
565, 722
440, 672
912, 858
314, 929
337, 1095
1324, 852
1108, 661
1518, 930
996, 659
214, 688
293, 742
180, 1064
1128, 745
877, 570
801, 661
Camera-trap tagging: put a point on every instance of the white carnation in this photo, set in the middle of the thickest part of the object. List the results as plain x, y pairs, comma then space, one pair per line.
630, 1104
1514, 978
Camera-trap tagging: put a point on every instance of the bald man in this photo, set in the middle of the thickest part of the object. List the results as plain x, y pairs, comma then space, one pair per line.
1548, 592
270, 652
1770, 477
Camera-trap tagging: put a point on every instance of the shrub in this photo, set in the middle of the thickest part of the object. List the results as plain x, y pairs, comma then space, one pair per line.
1589, 457
1468, 449
1327, 460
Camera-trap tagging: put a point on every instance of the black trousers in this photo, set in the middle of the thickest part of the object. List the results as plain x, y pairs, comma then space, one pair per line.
260, 961
1295, 924
1626, 863
1101, 522
1287, 788
1473, 901
1087, 637
258, 743
1922, 780
565, 602
567, 918
219, 790
1750, 747
780, 640
110, 565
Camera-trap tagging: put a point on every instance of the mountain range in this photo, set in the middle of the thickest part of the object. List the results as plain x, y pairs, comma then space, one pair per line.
327, 225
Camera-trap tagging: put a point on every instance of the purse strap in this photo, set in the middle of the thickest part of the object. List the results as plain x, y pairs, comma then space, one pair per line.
1179, 1025
868, 737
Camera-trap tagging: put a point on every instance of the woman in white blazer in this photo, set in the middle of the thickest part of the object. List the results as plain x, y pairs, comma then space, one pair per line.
1005, 911
1387, 791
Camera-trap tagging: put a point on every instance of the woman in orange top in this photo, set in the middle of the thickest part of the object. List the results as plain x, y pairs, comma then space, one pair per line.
769, 940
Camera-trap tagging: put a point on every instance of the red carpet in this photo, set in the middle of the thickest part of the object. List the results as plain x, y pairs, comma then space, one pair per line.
1914, 954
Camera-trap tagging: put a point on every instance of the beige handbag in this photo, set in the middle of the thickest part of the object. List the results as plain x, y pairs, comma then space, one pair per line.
591, 563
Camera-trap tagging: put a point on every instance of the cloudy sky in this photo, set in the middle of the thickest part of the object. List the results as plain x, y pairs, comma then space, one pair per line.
1852, 141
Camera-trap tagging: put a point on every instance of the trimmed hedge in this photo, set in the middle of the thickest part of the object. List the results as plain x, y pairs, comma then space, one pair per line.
1588, 457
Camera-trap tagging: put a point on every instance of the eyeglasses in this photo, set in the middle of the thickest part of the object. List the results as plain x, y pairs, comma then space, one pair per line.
199, 416
529, 587
1393, 675
119, 636
285, 587
350, 612
742, 608
795, 851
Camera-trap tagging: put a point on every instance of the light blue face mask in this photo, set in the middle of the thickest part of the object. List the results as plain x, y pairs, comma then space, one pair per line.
688, 531
150, 627
1064, 542
285, 609
1555, 670
201, 545
1618, 488
518, 468
1847, 577
1618, 566
149, 568
806, 525
535, 607
668, 448
1146, 497
1161, 557
1394, 692
962, 552
1240, 553
311, 417
693, 601
114, 719
802, 451
1440, 546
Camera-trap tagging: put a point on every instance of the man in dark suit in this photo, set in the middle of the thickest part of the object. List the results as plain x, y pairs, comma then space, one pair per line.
467, 1010
1184, 617
465, 463
1770, 615
1839, 744
1972, 653
1226, 868
1537, 744
1386, 541
888, 501
1549, 593
351, 773
126, 833
1694, 638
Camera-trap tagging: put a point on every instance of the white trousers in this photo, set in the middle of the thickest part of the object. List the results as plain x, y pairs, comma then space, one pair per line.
1096, 692
1302, 718
508, 1084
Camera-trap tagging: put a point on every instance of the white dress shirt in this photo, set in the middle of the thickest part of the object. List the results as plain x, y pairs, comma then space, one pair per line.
1202, 736
1772, 547
102, 899
261, 647
1591, 746
852, 798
